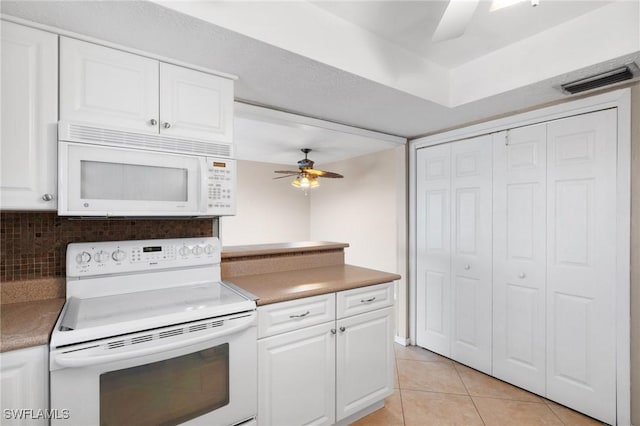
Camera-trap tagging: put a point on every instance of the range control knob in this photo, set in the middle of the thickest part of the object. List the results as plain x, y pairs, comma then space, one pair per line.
184, 251
197, 250
101, 256
118, 255
209, 249
83, 258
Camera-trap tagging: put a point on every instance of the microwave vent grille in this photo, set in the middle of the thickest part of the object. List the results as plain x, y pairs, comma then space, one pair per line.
89, 134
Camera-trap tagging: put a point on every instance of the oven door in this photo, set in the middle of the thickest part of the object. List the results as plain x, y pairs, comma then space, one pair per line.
201, 373
95, 180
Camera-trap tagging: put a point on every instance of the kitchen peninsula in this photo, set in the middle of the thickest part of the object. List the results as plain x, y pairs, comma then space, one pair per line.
325, 331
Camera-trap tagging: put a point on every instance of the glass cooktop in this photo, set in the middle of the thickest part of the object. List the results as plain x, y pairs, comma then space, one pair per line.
199, 300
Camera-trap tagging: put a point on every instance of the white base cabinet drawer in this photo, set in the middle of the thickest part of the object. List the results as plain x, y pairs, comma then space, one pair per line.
295, 314
363, 299
296, 377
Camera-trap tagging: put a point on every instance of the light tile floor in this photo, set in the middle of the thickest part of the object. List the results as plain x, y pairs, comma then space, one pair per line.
433, 390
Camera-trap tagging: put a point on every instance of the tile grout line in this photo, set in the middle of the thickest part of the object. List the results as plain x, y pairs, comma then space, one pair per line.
404, 422
469, 395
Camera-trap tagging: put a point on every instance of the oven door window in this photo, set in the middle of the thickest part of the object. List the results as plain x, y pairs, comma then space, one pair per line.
167, 392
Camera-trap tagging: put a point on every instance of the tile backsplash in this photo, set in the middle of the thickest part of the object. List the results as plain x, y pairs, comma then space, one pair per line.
33, 244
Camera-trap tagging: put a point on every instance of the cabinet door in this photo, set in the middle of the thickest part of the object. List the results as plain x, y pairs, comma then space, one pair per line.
364, 361
581, 263
195, 105
519, 256
107, 87
296, 377
29, 118
471, 247
433, 280
24, 384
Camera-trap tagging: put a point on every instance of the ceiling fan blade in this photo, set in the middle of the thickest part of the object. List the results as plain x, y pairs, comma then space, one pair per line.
285, 176
455, 19
322, 173
289, 172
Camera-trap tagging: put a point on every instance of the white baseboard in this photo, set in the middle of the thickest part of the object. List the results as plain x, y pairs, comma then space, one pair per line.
404, 341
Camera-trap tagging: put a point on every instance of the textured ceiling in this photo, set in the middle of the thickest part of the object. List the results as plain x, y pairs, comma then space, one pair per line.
277, 78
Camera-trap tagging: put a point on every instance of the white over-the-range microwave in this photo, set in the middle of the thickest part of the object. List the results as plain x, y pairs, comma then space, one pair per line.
114, 173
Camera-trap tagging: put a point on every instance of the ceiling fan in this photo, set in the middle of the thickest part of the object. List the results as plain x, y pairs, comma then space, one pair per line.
306, 175
458, 14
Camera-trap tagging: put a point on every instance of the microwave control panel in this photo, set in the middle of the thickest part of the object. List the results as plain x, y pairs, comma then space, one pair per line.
221, 186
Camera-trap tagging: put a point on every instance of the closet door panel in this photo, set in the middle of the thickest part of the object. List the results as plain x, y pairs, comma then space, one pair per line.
433, 244
519, 256
471, 189
581, 250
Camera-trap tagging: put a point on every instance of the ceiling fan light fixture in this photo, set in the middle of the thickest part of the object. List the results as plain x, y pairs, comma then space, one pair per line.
296, 182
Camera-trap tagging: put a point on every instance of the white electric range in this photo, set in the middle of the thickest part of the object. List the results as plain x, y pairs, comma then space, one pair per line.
150, 334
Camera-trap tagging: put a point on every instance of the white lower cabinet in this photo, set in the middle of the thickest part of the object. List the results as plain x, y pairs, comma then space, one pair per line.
364, 360
297, 380
328, 373
24, 385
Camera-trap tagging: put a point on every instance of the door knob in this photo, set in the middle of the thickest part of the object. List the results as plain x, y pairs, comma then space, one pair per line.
47, 197
166, 125
153, 121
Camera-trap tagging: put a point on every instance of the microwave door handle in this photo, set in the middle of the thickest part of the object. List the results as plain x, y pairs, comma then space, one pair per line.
78, 359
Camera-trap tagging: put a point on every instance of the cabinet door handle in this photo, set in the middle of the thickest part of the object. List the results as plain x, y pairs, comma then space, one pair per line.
342, 329
153, 122
522, 275
300, 315
333, 331
371, 299
47, 197
166, 125
467, 267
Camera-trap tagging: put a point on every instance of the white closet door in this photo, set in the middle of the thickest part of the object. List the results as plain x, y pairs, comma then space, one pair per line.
519, 256
471, 247
433, 248
581, 274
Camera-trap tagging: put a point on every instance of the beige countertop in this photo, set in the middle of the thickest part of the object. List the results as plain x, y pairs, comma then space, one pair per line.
26, 324
229, 252
281, 286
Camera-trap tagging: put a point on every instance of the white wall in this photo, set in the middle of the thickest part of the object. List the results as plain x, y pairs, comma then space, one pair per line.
268, 210
367, 209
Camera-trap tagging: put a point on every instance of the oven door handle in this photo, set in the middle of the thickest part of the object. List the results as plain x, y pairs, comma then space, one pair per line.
80, 359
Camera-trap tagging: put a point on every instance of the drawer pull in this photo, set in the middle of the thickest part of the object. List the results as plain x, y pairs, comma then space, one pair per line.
371, 299
300, 315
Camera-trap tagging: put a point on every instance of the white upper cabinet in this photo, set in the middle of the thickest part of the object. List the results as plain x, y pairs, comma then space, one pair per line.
107, 87
195, 105
110, 88
29, 118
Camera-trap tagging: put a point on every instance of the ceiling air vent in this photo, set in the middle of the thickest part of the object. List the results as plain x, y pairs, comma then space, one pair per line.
617, 75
